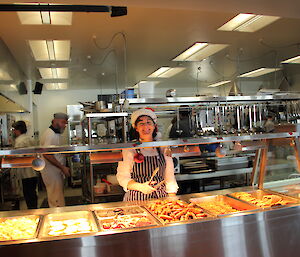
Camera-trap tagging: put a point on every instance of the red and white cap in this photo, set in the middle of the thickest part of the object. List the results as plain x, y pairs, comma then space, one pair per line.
143, 112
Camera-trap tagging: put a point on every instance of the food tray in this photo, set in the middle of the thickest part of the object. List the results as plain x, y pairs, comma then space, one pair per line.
220, 202
68, 224
11, 228
128, 222
265, 198
172, 211
120, 211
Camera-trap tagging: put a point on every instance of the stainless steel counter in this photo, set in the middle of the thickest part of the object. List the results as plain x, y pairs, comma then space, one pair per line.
262, 233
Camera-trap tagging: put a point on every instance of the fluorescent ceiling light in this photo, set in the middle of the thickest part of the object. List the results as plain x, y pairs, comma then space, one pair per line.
54, 73
220, 83
295, 59
245, 22
50, 18
50, 50
258, 72
4, 75
56, 86
166, 72
199, 51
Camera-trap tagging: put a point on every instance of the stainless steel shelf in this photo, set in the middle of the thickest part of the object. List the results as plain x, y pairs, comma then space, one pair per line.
206, 99
120, 146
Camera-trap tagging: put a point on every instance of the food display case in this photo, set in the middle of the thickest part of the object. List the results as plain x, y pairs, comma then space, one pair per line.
251, 231
239, 232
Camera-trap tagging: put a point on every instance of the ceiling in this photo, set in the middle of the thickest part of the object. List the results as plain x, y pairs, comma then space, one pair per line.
151, 35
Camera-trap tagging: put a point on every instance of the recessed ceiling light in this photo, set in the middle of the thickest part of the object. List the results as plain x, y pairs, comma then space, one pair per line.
220, 83
258, 72
56, 86
50, 50
295, 59
166, 72
245, 22
54, 73
199, 51
50, 18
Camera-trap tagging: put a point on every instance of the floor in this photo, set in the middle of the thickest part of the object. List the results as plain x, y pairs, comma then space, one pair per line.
70, 193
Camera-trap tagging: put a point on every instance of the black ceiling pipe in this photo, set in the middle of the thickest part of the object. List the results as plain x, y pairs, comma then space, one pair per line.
115, 10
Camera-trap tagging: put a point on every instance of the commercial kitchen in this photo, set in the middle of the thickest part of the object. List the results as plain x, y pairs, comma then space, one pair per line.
160, 128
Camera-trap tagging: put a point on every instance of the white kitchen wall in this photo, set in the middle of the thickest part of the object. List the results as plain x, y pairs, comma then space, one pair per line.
50, 102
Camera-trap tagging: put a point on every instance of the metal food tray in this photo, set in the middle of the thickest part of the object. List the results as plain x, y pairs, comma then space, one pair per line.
35, 235
260, 193
209, 215
67, 216
152, 219
102, 213
240, 206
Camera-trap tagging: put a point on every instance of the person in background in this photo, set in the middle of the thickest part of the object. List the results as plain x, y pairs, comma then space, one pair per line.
184, 129
135, 171
28, 175
269, 125
55, 169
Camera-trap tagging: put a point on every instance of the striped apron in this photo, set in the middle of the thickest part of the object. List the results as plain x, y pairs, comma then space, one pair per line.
142, 172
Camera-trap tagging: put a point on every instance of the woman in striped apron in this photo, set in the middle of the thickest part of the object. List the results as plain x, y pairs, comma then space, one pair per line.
136, 169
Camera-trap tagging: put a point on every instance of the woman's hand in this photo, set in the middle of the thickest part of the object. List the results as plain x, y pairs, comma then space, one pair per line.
145, 188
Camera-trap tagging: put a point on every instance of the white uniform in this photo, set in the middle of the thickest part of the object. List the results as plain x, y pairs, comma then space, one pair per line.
25, 141
53, 176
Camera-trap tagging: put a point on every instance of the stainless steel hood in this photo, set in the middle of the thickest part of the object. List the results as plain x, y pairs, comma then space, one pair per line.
9, 106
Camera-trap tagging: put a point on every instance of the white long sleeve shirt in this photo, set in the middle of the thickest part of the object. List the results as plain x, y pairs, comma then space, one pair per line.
23, 141
125, 168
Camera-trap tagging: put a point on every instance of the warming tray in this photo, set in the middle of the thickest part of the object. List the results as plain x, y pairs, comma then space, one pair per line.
120, 222
222, 205
265, 198
174, 211
19, 228
68, 224
124, 210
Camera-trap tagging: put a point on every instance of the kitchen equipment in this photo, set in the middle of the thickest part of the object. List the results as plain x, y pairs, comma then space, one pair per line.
100, 105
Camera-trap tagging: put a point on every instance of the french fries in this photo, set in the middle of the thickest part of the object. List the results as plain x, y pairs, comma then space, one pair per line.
169, 211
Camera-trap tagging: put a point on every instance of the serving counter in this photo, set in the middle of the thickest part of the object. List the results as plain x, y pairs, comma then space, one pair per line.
250, 231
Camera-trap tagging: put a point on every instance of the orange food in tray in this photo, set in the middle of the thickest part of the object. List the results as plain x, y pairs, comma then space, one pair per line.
217, 207
266, 200
175, 210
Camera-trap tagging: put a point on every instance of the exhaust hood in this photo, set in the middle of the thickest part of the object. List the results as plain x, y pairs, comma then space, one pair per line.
9, 106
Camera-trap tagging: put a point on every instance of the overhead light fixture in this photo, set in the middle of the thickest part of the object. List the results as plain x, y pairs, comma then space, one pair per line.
115, 11
45, 17
56, 86
50, 50
245, 22
166, 72
295, 59
258, 72
199, 51
54, 73
220, 83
